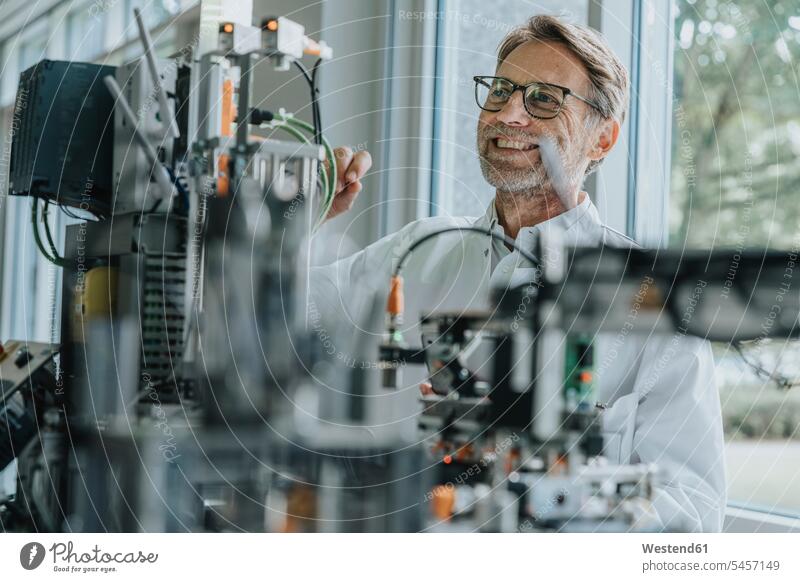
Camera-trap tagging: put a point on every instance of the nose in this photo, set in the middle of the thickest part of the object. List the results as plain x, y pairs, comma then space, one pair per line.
513, 112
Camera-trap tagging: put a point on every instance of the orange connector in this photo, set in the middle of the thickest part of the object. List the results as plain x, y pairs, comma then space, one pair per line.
395, 304
228, 108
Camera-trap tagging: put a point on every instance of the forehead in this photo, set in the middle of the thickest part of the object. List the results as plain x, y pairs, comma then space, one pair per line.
546, 62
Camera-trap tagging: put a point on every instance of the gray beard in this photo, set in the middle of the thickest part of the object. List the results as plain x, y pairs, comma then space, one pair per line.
522, 181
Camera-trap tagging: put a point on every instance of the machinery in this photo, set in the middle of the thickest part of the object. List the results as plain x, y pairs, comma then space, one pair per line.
517, 436
193, 223
188, 392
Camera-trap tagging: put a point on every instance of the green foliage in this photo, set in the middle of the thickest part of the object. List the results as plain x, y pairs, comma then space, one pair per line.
753, 404
736, 130
736, 162
756, 412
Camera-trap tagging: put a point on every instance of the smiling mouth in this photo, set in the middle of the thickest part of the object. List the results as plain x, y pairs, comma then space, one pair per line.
508, 144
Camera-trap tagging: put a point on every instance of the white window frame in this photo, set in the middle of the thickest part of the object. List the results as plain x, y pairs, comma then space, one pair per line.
631, 187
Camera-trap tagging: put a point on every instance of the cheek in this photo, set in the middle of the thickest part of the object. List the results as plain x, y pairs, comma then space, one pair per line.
486, 118
572, 137
553, 129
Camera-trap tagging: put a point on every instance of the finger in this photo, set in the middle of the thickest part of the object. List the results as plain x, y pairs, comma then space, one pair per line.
352, 188
345, 200
361, 163
344, 156
426, 388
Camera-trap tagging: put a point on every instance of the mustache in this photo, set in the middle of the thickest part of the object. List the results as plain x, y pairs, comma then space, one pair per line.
490, 132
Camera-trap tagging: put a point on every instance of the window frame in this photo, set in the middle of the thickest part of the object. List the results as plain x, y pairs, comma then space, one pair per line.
408, 101
41, 303
651, 138
631, 196
610, 186
35, 303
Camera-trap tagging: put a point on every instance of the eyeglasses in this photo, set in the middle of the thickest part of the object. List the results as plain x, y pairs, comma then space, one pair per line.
541, 100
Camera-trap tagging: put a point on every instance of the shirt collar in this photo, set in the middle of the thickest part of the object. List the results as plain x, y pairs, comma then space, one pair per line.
576, 225
584, 213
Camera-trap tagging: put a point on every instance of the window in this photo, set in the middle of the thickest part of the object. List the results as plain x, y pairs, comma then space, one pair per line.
153, 12
735, 176
85, 33
30, 285
469, 34
25, 293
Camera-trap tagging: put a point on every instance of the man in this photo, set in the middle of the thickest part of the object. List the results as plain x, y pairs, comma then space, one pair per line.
549, 115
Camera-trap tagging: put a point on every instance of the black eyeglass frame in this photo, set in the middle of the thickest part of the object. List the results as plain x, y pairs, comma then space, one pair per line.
566, 91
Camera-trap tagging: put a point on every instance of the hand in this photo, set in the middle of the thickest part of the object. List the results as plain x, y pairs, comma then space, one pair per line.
426, 389
350, 168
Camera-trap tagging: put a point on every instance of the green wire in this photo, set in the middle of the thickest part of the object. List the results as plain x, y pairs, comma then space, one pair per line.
291, 130
292, 126
325, 143
331, 193
325, 182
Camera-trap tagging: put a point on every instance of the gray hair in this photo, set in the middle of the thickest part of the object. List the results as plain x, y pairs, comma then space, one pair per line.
607, 74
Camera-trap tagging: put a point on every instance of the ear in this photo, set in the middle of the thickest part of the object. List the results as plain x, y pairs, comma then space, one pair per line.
606, 136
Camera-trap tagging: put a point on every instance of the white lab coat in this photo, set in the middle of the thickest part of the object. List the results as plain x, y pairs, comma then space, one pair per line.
661, 396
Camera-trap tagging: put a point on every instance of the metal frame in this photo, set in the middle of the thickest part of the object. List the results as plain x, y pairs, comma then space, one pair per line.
610, 187
632, 187
742, 518
408, 105
652, 142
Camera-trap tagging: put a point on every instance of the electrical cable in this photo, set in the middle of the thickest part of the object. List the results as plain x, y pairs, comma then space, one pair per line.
288, 121
66, 210
318, 138
56, 260
304, 71
50, 240
507, 240
780, 380
311, 80
294, 132
315, 103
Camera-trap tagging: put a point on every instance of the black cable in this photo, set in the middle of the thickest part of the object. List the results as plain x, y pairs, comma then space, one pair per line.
56, 260
315, 102
311, 80
779, 379
94, 216
154, 207
48, 234
180, 186
68, 212
304, 71
508, 240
